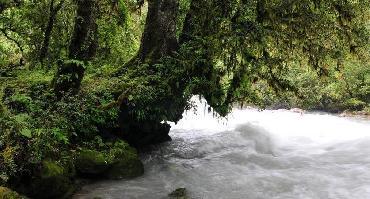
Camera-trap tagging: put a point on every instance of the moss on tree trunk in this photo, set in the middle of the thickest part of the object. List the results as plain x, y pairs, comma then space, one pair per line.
81, 49
158, 41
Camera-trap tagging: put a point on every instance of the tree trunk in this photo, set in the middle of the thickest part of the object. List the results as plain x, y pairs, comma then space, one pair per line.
159, 37
158, 41
49, 29
81, 50
84, 40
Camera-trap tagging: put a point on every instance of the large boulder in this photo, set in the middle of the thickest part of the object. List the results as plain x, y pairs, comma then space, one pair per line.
141, 133
91, 162
125, 162
54, 181
6, 193
118, 162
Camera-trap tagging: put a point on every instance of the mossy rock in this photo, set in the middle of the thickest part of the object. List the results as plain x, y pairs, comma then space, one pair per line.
179, 193
125, 162
127, 167
119, 161
90, 162
54, 182
6, 193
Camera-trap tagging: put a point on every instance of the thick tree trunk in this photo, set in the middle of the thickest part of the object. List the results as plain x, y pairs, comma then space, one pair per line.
159, 37
82, 49
158, 41
84, 40
49, 29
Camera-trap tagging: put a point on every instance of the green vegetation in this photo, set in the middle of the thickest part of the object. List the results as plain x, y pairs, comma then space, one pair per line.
77, 77
6, 193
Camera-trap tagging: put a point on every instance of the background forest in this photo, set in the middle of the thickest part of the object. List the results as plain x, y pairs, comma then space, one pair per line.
72, 70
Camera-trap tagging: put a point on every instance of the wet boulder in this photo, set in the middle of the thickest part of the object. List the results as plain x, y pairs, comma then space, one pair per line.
179, 193
118, 162
125, 162
91, 162
141, 133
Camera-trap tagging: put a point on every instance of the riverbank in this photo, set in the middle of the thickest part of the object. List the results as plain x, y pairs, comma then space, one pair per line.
61, 178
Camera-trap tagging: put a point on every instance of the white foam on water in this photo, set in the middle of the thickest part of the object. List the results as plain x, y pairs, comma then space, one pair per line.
256, 155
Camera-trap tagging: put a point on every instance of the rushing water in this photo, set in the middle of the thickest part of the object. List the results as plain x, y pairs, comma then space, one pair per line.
254, 155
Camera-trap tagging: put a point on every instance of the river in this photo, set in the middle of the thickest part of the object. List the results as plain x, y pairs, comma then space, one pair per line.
253, 154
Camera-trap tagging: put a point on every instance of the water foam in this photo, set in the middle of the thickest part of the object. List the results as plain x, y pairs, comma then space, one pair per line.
257, 155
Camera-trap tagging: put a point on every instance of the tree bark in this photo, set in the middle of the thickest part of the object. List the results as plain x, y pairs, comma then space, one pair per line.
49, 29
158, 41
81, 50
84, 40
159, 37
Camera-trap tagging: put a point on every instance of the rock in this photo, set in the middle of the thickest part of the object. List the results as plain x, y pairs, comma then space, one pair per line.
54, 181
297, 110
6, 193
346, 113
120, 162
141, 133
126, 168
125, 162
179, 193
145, 133
90, 162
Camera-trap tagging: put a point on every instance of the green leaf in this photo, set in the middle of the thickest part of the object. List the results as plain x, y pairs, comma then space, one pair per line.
26, 133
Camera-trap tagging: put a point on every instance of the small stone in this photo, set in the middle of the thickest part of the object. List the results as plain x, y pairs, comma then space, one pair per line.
179, 193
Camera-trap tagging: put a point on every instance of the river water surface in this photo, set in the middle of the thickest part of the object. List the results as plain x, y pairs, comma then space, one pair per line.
254, 155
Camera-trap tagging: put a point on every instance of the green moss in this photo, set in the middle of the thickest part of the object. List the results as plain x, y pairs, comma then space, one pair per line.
51, 169
6, 193
120, 161
54, 182
90, 162
126, 167
125, 162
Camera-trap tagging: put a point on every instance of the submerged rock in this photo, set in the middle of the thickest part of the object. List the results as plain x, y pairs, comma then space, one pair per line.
6, 193
179, 193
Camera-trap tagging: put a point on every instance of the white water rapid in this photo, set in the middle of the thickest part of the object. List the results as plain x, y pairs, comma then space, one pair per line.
254, 155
